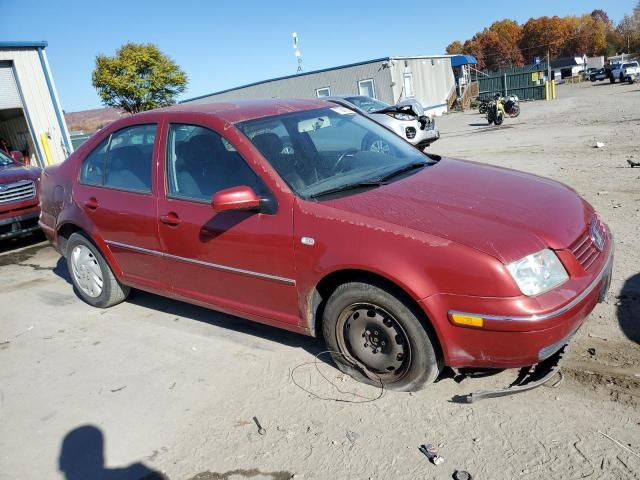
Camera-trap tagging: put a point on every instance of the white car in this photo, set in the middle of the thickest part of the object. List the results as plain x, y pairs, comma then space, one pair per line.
625, 71
406, 119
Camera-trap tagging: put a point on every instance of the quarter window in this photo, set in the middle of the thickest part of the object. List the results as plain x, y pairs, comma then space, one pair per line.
200, 162
123, 160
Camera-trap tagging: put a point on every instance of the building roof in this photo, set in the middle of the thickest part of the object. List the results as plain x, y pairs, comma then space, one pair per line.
566, 62
458, 60
24, 44
365, 62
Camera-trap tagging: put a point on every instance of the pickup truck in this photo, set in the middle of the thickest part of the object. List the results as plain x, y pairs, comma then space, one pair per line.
625, 71
19, 197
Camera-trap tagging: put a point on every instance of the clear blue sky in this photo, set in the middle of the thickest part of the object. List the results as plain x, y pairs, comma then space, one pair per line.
223, 44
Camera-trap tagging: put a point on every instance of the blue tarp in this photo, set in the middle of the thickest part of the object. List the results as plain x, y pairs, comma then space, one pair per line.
458, 60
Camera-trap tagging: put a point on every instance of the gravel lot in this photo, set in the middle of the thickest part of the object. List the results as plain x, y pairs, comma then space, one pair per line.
154, 385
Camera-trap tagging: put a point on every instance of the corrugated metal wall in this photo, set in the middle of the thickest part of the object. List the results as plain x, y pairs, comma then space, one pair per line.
341, 81
37, 100
433, 81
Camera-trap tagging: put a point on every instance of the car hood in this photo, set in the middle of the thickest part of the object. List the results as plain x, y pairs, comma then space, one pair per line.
14, 172
504, 213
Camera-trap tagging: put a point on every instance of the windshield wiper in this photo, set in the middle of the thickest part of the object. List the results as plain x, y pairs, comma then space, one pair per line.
401, 170
348, 186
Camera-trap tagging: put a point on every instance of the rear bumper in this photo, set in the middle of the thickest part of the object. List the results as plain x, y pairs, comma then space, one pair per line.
511, 341
18, 225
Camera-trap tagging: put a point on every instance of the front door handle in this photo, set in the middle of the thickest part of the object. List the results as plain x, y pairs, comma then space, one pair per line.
91, 204
171, 219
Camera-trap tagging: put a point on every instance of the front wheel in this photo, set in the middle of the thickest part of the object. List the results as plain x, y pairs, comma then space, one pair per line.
499, 119
375, 337
92, 278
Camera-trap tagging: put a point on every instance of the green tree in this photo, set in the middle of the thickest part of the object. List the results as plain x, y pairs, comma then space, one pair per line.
139, 77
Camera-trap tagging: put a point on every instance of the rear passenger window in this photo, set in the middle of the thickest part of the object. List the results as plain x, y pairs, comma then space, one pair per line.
93, 166
122, 161
200, 163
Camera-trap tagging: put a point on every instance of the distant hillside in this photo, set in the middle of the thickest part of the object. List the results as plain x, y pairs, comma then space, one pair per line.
89, 121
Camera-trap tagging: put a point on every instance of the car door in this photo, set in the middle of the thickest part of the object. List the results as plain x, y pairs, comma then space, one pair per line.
117, 192
237, 261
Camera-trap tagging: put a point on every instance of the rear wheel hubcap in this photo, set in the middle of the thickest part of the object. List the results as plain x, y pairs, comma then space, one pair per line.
370, 335
86, 271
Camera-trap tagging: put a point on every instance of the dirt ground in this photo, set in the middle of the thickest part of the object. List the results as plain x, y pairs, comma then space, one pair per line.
154, 385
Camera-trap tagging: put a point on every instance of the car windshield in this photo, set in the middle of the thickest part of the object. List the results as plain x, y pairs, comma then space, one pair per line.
630, 65
367, 104
320, 151
5, 160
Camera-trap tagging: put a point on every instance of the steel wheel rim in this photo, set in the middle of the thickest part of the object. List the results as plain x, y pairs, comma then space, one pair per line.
380, 146
86, 271
369, 335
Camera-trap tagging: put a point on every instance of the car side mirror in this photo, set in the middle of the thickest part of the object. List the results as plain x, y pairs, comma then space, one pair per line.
17, 156
236, 198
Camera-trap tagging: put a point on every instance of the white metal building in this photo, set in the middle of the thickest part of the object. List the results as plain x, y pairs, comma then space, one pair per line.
31, 118
428, 79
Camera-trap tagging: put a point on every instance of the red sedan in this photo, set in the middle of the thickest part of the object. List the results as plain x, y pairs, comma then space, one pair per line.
275, 211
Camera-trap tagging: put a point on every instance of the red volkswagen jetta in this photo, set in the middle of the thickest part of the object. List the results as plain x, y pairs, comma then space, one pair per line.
274, 211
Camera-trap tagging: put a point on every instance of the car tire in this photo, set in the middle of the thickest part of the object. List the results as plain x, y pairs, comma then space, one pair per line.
92, 278
363, 312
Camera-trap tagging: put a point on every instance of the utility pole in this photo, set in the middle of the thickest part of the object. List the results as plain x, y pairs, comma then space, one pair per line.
548, 66
294, 35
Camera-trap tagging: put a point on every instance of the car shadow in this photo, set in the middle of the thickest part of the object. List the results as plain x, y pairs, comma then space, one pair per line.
189, 311
628, 308
215, 318
82, 458
21, 242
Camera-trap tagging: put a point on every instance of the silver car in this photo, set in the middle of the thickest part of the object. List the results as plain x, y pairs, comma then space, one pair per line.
406, 119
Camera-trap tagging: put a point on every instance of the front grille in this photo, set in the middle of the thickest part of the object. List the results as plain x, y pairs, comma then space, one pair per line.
17, 191
584, 248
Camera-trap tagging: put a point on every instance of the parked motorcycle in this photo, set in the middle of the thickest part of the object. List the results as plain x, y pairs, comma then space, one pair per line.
495, 111
512, 106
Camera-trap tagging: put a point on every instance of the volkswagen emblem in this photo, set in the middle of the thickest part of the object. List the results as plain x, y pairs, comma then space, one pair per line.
597, 236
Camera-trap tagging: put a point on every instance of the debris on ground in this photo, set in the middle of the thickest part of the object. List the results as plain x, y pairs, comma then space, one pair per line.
619, 444
599, 145
591, 351
462, 475
632, 163
261, 431
429, 451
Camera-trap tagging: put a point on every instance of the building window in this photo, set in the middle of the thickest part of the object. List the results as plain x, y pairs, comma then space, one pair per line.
367, 88
323, 92
408, 85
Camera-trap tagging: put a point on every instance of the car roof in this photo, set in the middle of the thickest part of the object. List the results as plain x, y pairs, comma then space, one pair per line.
243, 110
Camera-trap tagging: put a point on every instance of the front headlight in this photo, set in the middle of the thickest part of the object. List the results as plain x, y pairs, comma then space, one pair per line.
538, 272
401, 116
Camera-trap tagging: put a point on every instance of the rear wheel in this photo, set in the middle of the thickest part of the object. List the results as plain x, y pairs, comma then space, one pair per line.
375, 144
91, 276
377, 338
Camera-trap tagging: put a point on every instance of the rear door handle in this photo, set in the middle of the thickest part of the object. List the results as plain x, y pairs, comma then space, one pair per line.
170, 219
91, 204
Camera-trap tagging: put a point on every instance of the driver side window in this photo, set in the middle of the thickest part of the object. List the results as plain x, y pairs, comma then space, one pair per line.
200, 162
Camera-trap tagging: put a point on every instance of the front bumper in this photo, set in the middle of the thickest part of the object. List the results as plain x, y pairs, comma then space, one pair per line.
512, 341
16, 226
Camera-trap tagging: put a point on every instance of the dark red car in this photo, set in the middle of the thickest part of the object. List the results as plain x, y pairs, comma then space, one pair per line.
19, 204
272, 211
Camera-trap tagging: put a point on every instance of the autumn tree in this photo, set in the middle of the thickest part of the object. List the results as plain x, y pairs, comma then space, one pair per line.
454, 48
139, 77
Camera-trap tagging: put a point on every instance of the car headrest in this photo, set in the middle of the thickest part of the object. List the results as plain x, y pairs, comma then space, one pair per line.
269, 144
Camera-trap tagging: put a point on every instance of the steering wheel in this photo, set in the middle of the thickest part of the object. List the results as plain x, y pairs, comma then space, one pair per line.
347, 153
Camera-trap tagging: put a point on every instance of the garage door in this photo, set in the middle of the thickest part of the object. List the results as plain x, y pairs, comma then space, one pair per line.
9, 95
